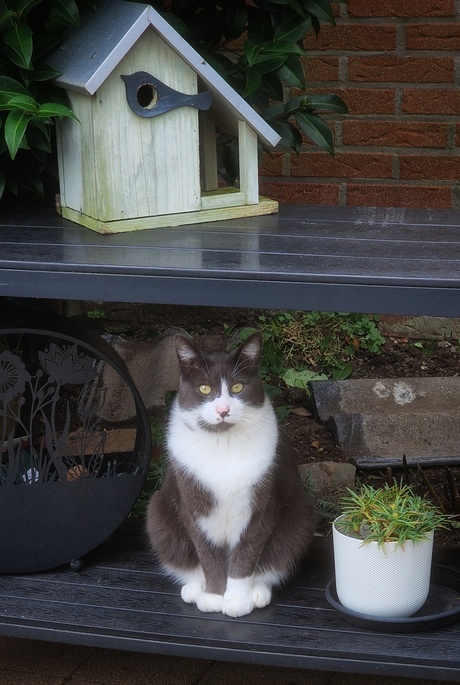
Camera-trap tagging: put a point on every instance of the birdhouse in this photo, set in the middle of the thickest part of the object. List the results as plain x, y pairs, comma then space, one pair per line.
143, 153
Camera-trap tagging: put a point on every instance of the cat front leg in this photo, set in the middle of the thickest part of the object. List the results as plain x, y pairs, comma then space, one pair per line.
193, 591
211, 595
194, 585
238, 598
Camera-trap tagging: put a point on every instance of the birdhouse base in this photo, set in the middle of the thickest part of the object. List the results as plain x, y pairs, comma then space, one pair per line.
264, 206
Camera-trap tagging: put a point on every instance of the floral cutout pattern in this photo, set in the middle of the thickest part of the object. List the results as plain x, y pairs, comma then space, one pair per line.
50, 424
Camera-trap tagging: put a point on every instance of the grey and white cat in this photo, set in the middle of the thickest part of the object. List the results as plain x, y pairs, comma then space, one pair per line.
232, 518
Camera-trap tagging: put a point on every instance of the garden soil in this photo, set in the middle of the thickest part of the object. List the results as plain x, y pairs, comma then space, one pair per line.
312, 442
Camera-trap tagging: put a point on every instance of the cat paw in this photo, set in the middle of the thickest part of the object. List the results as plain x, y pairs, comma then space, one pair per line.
237, 606
261, 595
190, 592
209, 602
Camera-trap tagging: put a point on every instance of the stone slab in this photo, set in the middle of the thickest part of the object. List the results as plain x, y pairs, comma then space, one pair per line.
153, 367
391, 417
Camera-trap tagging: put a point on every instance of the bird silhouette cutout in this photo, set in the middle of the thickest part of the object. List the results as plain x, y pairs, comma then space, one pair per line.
149, 97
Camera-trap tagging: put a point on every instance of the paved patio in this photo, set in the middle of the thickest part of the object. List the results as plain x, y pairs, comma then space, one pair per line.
28, 662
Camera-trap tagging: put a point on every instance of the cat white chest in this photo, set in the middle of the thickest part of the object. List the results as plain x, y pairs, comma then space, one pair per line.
228, 519
228, 465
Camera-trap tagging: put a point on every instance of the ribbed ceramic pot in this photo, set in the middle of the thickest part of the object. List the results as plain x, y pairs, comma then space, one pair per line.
387, 581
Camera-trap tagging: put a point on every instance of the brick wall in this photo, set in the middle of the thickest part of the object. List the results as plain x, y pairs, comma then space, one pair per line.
396, 63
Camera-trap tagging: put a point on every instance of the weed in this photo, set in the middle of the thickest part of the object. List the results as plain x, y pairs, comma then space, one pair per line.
303, 346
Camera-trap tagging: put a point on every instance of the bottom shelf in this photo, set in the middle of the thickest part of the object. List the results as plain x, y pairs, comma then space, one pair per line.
120, 600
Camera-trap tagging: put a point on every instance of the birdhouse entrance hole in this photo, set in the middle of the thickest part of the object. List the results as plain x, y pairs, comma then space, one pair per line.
147, 96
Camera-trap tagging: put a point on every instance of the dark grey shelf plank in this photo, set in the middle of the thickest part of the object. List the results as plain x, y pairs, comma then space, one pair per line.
119, 600
329, 258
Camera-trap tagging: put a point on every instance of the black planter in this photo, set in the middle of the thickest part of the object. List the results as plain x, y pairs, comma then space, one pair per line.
62, 492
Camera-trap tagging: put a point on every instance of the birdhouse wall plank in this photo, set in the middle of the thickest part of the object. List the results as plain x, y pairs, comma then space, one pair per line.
248, 167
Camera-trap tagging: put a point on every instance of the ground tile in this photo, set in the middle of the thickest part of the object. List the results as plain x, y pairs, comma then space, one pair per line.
106, 667
353, 679
15, 678
37, 657
249, 674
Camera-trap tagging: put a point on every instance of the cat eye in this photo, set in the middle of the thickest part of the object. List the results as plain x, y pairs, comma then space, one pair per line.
236, 388
205, 389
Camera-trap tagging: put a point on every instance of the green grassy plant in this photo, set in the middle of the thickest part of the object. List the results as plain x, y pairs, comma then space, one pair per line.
390, 514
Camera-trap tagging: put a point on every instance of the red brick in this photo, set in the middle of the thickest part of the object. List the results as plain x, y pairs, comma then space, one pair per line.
364, 100
343, 165
399, 195
400, 69
401, 8
346, 37
433, 36
395, 133
431, 101
443, 167
287, 192
321, 68
271, 164
457, 135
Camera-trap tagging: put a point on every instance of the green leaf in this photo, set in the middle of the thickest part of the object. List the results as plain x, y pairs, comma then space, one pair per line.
54, 109
19, 39
43, 72
316, 129
290, 136
65, 12
275, 111
235, 18
20, 102
272, 89
38, 136
9, 87
6, 17
300, 378
15, 128
320, 9
270, 55
293, 30
326, 101
24, 6
294, 104
291, 72
253, 82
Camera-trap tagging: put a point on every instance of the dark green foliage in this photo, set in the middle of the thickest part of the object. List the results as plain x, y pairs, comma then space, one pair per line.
29, 104
256, 45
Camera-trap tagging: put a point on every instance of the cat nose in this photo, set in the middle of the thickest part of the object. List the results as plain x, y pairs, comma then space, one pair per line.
223, 411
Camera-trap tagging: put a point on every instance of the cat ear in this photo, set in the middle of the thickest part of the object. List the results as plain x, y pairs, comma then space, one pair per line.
188, 352
252, 348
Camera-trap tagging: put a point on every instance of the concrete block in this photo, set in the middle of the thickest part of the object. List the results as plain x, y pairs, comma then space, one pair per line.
383, 395
392, 417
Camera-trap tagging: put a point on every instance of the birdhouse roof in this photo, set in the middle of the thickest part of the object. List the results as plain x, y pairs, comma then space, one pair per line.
90, 54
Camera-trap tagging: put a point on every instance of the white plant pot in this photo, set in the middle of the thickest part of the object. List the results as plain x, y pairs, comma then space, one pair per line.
387, 581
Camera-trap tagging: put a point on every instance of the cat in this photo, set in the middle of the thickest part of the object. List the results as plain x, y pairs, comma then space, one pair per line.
232, 518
